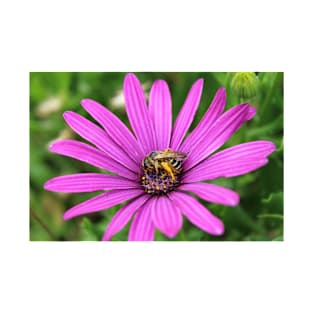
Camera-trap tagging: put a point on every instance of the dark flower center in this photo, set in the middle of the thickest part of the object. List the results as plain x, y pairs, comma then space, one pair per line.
162, 171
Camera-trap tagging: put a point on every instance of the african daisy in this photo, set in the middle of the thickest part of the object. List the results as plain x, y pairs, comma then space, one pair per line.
157, 169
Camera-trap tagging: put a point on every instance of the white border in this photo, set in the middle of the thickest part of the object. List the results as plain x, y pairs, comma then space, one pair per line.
162, 36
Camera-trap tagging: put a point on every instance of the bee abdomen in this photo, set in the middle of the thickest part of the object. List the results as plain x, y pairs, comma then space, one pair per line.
176, 164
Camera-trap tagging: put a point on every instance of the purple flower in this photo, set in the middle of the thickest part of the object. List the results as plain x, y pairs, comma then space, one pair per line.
148, 174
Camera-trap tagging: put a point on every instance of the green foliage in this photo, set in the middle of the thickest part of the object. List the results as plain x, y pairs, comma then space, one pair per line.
260, 214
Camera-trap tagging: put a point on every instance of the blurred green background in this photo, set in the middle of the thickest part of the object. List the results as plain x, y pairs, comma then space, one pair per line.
259, 216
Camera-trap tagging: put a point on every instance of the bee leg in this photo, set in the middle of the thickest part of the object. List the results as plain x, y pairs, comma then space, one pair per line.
168, 169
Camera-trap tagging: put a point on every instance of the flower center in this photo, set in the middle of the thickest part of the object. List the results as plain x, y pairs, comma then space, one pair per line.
162, 171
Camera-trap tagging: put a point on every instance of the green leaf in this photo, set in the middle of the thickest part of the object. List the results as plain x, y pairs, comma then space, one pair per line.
275, 201
267, 129
239, 218
280, 147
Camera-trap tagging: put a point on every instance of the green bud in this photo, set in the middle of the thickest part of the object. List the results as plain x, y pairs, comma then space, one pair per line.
245, 84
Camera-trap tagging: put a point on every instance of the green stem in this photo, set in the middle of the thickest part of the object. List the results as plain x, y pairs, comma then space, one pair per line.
34, 215
266, 104
277, 216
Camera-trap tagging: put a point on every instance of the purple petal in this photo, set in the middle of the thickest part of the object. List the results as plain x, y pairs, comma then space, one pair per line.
212, 193
90, 155
234, 161
122, 217
249, 150
88, 182
115, 128
102, 202
166, 217
230, 169
251, 113
186, 114
99, 138
197, 214
212, 114
138, 115
219, 133
160, 108
142, 228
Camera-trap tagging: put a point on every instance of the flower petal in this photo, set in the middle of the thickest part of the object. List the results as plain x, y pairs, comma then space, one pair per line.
88, 182
234, 161
99, 138
166, 216
122, 217
230, 169
102, 202
251, 113
138, 115
212, 114
115, 128
88, 154
212, 193
160, 108
197, 214
250, 150
142, 228
219, 133
186, 114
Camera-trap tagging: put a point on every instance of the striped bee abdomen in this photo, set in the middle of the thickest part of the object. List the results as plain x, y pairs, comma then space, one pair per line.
177, 164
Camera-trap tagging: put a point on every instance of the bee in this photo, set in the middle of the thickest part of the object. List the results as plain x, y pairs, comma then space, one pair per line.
168, 160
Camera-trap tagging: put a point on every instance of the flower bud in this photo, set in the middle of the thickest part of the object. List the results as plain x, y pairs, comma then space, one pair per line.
245, 84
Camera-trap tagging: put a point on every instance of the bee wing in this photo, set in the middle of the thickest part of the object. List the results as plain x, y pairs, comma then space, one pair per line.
170, 155
181, 156
163, 155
